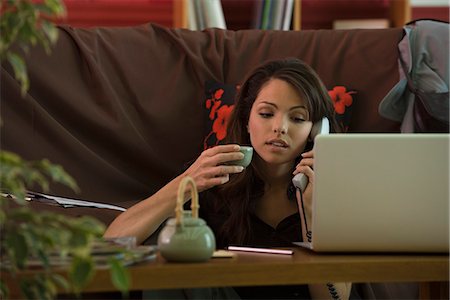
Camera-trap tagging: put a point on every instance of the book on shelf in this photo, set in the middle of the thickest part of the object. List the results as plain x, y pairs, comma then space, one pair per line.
202, 14
273, 14
213, 14
199, 16
191, 15
297, 14
287, 14
267, 12
180, 14
277, 14
258, 13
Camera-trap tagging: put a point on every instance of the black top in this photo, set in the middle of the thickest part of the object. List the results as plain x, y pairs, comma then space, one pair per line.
263, 235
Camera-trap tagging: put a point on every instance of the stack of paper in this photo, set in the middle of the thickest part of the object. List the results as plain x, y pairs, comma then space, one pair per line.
68, 202
101, 252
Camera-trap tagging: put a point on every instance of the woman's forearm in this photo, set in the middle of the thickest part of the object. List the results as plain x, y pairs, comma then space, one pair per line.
144, 218
208, 171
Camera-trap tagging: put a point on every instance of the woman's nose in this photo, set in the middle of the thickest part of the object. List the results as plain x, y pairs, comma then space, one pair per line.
279, 130
280, 126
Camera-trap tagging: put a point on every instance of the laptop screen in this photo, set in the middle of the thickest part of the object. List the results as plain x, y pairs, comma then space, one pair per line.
381, 192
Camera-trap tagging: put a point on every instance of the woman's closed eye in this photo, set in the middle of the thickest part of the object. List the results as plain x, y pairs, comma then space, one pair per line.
266, 115
298, 119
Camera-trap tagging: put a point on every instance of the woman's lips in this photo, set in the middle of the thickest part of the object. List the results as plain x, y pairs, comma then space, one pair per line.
277, 143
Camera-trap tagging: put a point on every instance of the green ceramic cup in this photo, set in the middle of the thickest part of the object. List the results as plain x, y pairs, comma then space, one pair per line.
248, 154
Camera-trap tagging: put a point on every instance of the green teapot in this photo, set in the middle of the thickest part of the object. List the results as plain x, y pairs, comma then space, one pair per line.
186, 238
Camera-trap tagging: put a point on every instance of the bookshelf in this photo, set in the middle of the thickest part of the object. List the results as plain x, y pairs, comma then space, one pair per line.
239, 14
309, 14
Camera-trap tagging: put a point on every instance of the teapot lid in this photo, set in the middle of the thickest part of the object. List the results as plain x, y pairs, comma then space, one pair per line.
187, 221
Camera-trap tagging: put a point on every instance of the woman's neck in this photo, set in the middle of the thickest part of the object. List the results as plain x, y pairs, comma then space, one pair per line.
274, 205
275, 175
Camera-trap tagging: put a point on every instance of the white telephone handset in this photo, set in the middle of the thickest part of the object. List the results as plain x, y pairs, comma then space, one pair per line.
300, 180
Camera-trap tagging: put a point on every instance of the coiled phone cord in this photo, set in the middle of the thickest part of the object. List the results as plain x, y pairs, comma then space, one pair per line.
331, 288
308, 232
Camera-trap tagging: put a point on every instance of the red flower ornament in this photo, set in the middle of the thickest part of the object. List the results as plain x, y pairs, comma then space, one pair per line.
220, 114
341, 98
220, 123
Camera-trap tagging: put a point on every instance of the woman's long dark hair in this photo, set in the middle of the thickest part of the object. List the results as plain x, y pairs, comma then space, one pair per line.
240, 194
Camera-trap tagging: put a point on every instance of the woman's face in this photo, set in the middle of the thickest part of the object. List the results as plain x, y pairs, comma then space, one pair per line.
279, 123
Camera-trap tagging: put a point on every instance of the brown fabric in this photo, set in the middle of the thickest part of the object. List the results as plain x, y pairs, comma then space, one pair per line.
122, 108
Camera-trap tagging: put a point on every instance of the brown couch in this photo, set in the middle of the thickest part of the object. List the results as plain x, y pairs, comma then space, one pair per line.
123, 109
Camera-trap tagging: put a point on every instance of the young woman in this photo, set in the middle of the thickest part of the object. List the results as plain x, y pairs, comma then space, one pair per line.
258, 206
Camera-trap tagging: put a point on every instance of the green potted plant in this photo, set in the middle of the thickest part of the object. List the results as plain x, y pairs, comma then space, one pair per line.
26, 234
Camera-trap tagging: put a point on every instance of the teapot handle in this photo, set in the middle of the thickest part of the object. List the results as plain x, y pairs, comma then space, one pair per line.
194, 195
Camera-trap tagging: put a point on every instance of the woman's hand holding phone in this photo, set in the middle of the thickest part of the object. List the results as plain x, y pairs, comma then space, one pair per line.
305, 167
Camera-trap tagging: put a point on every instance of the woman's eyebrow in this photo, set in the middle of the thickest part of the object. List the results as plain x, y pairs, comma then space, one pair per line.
292, 108
269, 103
298, 106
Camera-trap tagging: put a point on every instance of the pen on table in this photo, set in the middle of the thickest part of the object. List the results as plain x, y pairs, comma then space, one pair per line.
261, 250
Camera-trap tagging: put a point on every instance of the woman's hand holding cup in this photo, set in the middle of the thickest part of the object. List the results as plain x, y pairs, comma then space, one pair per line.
247, 151
214, 165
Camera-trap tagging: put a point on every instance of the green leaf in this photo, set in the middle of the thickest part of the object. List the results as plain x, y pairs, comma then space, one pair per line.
81, 272
89, 225
79, 244
36, 177
58, 174
28, 32
120, 276
10, 157
35, 287
43, 257
24, 214
2, 218
17, 244
4, 291
60, 281
39, 288
20, 71
27, 288
48, 288
56, 7
50, 31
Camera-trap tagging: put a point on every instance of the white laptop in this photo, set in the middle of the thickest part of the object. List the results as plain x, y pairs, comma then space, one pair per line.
381, 193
